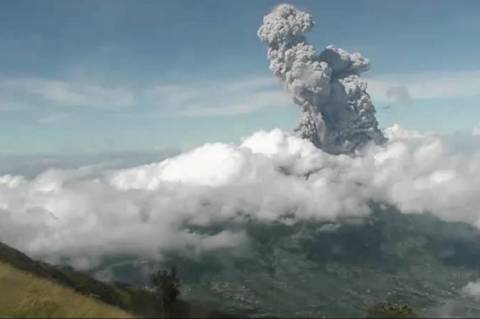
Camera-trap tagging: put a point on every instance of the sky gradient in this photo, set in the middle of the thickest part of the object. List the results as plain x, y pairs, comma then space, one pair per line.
82, 77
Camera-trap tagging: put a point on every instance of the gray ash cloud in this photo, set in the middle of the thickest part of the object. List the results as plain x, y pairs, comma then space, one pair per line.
338, 114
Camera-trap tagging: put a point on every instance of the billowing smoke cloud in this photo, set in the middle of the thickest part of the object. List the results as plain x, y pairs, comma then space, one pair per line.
338, 114
82, 214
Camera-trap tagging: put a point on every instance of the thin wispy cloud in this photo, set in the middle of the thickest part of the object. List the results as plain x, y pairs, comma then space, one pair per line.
62, 93
219, 98
9, 105
209, 99
476, 130
399, 94
54, 118
406, 88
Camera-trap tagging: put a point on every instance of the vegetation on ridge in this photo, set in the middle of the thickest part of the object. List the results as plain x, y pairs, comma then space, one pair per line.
30, 288
24, 294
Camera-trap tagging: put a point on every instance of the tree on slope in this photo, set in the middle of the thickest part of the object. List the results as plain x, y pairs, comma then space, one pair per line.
390, 310
167, 286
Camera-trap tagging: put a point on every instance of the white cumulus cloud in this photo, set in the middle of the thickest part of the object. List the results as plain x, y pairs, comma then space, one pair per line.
83, 214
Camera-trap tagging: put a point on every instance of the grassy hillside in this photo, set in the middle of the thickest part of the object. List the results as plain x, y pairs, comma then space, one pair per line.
79, 282
24, 294
18, 270
30, 288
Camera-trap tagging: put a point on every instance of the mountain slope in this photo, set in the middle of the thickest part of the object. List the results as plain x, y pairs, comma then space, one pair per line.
24, 294
321, 269
307, 269
33, 288
81, 283
340, 270
38, 289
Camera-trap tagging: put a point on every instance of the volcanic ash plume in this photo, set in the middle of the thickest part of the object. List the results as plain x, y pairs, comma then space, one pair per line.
338, 114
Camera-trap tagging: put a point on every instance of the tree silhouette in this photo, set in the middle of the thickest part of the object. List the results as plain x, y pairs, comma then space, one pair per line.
389, 310
167, 286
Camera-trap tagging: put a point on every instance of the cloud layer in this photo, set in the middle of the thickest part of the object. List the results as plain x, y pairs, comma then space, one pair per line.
64, 93
208, 99
83, 214
406, 88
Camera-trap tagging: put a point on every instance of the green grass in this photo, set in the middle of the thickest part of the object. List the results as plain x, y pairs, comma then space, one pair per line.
136, 301
30, 288
23, 294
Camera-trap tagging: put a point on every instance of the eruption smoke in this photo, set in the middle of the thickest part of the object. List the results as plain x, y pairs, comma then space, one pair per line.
338, 114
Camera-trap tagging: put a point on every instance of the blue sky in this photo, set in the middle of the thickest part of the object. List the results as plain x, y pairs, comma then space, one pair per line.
82, 77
